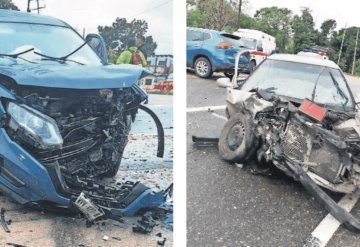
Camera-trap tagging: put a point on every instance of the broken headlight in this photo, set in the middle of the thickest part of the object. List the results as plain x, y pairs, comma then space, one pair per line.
34, 122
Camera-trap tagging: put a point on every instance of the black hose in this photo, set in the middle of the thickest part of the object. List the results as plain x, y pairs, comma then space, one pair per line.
160, 130
330, 205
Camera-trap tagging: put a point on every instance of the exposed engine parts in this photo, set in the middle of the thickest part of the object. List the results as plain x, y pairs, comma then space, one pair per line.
79, 136
315, 145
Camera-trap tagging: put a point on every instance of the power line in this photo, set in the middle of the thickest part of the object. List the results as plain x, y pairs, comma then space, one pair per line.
148, 10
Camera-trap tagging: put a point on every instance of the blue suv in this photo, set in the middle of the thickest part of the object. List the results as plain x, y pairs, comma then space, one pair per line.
209, 51
65, 118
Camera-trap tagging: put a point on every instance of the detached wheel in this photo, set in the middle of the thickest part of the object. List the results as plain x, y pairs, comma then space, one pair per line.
237, 139
203, 67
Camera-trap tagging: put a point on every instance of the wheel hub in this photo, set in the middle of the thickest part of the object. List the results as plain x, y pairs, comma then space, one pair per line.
202, 68
236, 136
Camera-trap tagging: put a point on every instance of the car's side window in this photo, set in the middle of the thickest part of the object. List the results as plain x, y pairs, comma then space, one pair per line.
207, 36
194, 35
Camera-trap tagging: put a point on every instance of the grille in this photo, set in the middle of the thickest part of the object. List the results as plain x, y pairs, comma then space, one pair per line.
295, 143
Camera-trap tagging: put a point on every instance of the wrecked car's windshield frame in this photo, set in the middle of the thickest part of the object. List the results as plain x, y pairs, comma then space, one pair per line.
299, 80
52, 40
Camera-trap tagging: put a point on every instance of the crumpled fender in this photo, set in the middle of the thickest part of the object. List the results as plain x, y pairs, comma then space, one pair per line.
240, 99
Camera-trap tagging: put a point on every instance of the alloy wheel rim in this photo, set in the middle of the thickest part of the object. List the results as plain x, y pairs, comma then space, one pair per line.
202, 68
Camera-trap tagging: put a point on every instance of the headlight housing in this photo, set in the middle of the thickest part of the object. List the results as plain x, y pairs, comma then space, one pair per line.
39, 126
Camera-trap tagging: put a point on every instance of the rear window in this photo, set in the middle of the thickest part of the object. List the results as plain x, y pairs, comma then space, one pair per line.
231, 39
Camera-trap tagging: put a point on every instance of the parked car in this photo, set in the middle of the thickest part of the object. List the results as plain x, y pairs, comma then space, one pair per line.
299, 114
209, 51
65, 119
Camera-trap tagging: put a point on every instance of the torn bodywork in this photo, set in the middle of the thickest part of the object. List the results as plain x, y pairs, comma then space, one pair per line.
65, 118
313, 144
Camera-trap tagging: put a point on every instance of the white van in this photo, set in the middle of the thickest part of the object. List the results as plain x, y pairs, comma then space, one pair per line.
259, 43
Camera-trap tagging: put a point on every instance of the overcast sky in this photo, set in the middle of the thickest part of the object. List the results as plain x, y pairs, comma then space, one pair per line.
89, 14
344, 12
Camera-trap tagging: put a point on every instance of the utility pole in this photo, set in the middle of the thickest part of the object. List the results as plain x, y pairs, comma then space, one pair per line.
357, 37
239, 12
342, 43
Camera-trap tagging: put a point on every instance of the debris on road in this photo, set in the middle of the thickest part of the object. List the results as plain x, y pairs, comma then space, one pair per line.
161, 241
4, 224
105, 238
205, 141
145, 225
116, 238
15, 245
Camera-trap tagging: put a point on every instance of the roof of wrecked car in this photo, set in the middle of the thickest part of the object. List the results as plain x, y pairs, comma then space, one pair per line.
23, 17
304, 59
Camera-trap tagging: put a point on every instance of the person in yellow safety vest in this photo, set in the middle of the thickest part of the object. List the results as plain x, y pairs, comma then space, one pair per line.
132, 55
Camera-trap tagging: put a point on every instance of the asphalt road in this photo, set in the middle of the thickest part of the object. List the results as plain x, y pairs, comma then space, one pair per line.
34, 228
229, 206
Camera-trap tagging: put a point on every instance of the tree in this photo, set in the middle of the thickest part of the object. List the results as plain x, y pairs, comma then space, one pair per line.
218, 13
195, 18
118, 34
347, 55
327, 30
276, 22
303, 30
8, 4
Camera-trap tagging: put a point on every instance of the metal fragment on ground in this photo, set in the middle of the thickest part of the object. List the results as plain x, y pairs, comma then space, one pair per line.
2, 220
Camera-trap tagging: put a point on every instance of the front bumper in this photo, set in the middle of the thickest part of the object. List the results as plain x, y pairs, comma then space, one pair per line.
27, 181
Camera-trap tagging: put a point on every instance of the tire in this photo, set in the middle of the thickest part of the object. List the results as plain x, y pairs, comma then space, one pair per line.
230, 74
252, 66
202, 67
237, 139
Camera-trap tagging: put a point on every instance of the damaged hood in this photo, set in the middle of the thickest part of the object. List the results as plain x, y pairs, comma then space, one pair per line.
73, 76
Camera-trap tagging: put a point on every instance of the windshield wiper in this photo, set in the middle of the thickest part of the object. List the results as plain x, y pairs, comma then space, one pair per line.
64, 58
16, 55
341, 92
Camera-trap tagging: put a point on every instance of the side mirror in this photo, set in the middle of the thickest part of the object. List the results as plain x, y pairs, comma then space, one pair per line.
224, 82
97, 43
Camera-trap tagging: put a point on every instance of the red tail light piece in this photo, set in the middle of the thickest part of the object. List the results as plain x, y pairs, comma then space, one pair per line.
223, 45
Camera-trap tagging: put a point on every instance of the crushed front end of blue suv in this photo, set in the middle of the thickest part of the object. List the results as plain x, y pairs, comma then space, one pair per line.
65, 124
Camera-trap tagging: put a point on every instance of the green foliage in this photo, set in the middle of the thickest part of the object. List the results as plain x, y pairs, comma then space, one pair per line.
357, 68
8, 4
248, 22
195, 18
303, 29
276, 22
217, 13
118, 34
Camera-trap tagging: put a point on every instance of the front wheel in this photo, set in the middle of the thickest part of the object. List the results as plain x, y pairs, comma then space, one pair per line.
203, 67
237, 139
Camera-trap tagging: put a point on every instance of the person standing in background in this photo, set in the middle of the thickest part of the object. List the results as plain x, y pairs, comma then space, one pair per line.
132, 55
140, 43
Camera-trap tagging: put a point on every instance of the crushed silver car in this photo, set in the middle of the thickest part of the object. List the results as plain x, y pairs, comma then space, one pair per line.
299, 114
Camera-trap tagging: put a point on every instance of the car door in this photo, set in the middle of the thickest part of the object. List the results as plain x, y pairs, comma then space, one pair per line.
194, 42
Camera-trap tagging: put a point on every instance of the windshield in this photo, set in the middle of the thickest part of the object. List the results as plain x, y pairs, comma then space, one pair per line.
248, 43
50, 40
321, 84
